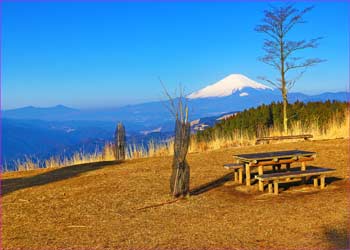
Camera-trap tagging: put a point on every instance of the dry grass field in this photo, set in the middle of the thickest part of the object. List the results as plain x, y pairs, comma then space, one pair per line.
97, 206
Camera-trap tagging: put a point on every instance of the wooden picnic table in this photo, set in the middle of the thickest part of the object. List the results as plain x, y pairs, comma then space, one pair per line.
276, 158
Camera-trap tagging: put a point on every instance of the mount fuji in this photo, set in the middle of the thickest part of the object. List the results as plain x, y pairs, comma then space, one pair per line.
235, 92
228, 86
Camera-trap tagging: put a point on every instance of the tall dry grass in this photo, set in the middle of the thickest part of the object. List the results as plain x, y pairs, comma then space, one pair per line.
56, 162
336, 128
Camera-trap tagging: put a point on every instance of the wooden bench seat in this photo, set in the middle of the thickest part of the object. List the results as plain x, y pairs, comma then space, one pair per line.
292, 176
286, 137
233, 166
237, 171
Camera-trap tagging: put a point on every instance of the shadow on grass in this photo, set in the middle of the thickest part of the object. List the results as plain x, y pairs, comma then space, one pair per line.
338, 238
211, 185
309, 181
14, 184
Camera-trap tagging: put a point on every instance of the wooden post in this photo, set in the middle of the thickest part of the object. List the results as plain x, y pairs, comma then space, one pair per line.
235, 177
261, 186
247, 174
261, 172
270, 187
275, 186
240, 176
119, 151
303, 168
315, 182
322, 179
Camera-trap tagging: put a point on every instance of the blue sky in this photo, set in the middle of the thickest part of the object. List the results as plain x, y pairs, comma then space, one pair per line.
103, 54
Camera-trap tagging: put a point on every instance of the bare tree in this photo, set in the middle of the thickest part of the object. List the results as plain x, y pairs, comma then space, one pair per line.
180, 177
280, 51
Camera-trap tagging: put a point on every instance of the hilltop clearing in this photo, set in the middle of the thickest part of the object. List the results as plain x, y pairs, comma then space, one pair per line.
96, 206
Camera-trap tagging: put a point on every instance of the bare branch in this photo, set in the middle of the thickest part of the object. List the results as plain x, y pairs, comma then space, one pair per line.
178, 109
297, 18
171, 107
279, 52
292, 46
180, 106
291, 83
263, 78
270, 44
270, 61
268, 31
306, 63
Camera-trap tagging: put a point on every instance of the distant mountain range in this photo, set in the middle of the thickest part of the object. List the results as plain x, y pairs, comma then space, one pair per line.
43, 139
56, 130
233, 93
39, 140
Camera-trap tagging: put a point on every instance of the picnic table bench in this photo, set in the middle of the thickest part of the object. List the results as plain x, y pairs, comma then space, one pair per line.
246, 162
293, 176
275, 159
285, 137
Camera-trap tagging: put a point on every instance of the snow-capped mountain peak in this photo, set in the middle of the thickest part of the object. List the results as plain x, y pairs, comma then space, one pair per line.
227, 86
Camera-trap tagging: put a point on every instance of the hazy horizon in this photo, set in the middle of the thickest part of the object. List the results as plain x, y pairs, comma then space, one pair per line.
97, 107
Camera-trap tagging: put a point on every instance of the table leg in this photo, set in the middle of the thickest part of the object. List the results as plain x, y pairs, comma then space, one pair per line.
247, 174
275, 187
261, 186
261, 172
235, 178
240, 176
315, 182
322, 180
270, 187
303, 168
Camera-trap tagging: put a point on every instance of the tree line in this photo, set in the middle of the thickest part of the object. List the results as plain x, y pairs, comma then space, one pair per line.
255, 121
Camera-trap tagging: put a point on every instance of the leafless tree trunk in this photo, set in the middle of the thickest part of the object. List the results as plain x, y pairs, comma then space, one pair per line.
180, 176
280, 51
119, 151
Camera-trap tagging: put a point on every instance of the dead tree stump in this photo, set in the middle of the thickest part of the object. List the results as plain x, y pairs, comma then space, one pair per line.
119, 151
180, 177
